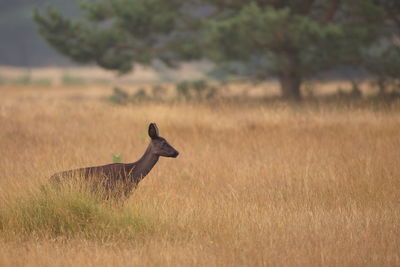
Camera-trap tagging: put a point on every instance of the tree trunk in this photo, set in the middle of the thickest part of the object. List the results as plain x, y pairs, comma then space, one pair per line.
381, 85
290, 77
290, 86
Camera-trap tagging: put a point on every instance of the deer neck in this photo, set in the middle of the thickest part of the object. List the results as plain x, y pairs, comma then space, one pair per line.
144, 165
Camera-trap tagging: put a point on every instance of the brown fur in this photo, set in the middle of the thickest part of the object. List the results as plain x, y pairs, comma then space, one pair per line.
119, 179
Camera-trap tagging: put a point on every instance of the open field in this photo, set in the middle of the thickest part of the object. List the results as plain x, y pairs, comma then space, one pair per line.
147, 78
92, 74
255, 184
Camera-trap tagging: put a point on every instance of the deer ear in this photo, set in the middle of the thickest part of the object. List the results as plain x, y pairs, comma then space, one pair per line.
153, 130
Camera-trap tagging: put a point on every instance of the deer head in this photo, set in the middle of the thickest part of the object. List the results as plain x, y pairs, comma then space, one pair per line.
160, 146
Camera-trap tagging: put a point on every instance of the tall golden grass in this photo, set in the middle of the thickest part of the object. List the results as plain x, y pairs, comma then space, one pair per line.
254, 185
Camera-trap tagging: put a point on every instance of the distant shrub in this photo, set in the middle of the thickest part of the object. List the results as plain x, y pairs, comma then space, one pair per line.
101, 81
140, 96
183, 90
119, 96
158, 92
197, 90
24, 79
68, 79
41, 82
2, 80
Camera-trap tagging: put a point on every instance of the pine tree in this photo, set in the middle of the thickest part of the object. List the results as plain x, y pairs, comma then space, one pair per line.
116, 34
288, 39
293, 40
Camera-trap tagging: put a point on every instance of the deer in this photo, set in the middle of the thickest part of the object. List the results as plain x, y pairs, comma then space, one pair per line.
120, 179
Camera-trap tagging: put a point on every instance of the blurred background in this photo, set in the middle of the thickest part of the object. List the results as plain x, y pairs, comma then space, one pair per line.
204, 49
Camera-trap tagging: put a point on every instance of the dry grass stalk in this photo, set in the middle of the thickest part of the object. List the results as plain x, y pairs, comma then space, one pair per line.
254, 185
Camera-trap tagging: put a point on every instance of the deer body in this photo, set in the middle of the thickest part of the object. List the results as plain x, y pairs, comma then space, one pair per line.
122, 178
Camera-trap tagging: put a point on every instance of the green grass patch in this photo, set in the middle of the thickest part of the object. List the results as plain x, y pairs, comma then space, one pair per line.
24, 79
72, 213
68, 79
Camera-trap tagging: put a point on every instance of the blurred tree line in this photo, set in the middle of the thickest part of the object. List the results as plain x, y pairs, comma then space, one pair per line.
291, 40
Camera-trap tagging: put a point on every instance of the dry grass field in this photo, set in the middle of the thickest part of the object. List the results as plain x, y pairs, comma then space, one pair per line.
261, 184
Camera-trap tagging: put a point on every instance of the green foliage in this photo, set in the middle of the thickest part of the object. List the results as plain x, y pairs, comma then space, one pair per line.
273, 35
68, 79
117, 158
26, 79
115, 34
290, 40
293, 41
